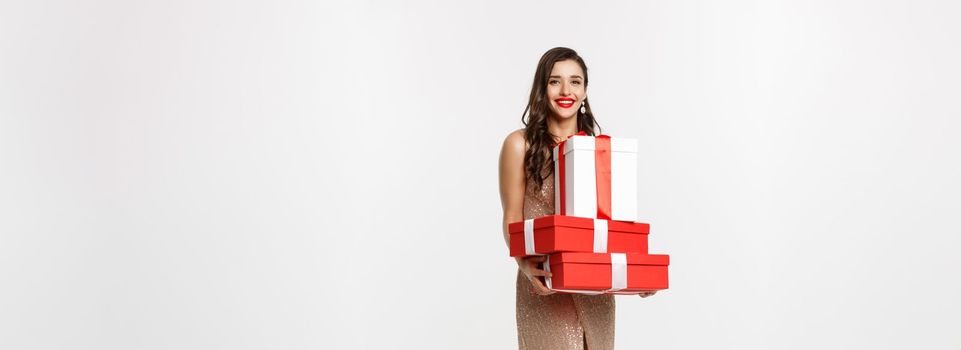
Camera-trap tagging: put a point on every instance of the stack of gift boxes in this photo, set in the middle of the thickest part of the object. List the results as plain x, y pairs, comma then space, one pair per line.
592, 243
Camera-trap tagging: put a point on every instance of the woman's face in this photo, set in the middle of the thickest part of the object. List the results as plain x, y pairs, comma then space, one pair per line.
565, 88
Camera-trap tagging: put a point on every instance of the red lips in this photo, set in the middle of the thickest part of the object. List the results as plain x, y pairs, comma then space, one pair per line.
565, 102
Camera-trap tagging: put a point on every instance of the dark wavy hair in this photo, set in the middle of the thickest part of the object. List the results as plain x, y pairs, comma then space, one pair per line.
538, 162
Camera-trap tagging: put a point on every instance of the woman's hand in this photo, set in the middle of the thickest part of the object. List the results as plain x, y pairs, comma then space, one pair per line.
530, 266
646, 294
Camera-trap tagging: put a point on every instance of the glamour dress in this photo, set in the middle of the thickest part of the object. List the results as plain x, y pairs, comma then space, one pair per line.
559, 320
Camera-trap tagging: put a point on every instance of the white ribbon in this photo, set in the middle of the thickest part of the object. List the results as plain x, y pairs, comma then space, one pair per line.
600, 236
618, 271
529, 237
547, 268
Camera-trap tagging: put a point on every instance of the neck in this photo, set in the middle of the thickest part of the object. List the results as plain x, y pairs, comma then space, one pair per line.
562, 127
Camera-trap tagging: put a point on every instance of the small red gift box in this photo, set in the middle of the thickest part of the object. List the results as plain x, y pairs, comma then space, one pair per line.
614, 273
556, 233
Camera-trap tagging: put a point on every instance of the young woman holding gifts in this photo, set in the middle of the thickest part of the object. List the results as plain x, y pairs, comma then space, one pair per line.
557, 108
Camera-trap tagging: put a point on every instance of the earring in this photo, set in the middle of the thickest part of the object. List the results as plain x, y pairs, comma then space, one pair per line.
583, 109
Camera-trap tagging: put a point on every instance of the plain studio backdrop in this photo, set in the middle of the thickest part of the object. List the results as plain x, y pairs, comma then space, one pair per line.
302, 175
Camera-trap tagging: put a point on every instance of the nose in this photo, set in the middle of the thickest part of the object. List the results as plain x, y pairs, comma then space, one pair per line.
565, 89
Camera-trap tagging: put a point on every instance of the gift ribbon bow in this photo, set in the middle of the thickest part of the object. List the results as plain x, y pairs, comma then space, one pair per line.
602, 174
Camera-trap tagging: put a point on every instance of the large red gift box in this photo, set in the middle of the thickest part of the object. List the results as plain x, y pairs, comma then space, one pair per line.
556, 233
614, 273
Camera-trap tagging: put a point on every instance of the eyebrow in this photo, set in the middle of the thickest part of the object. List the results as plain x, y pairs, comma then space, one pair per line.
573, 76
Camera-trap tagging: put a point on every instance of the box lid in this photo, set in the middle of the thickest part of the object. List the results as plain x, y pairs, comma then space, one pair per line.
604, 258
578, 222
618, 144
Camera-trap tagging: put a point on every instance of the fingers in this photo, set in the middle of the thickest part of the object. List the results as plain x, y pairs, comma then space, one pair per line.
533, 267
533, 271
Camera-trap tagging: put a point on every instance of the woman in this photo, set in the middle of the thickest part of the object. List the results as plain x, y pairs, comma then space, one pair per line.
557, 108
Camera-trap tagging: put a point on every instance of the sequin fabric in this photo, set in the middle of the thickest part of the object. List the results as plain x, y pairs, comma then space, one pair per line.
559, 321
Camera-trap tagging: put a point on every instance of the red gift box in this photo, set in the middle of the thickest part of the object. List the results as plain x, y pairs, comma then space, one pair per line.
617, 273
556, 233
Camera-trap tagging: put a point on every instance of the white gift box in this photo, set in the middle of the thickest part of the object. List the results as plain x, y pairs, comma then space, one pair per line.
583, 185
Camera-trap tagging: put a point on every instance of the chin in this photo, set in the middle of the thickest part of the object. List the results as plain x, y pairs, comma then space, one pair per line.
565, 114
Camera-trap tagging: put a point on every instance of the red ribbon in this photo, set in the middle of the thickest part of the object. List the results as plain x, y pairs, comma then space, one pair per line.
602, 174
560, 177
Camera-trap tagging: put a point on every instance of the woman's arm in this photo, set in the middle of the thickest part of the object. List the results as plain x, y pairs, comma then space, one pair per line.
512, 186
512, 179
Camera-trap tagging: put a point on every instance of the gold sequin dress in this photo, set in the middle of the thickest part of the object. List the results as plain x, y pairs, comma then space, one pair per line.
560, 320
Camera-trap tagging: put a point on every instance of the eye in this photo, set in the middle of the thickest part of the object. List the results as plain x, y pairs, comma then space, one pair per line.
553, 82
576, 82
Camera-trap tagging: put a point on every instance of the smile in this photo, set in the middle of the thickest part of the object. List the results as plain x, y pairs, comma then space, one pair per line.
565, 102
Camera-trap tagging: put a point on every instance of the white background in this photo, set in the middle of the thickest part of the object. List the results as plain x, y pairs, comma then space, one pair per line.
293, 175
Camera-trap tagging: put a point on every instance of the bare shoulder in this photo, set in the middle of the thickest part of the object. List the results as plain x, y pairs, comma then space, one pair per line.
515, 143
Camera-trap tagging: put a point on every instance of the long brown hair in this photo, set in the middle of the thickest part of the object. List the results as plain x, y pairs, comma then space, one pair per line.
538, 162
